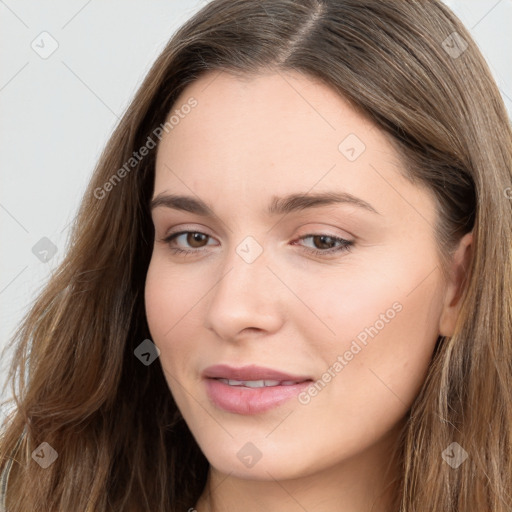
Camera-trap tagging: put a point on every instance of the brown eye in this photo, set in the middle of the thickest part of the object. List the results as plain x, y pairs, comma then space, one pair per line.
323, 241
195, 239
323, 244
187, 242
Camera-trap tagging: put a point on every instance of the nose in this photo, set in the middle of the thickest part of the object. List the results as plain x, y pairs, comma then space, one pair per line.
248, 297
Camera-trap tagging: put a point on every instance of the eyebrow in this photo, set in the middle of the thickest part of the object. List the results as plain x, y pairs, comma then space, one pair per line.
278, 205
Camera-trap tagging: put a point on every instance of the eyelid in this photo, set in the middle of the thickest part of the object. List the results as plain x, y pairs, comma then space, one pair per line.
326, 229
188, 227
345, 245
318, 230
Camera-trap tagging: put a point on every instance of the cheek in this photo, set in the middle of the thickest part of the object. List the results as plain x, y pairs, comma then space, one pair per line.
385, 327
158, 297
174, 303
371, 371
166, 302
171, 296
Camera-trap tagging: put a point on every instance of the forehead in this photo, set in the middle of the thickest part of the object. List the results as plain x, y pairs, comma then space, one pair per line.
262, 119
272, 108
248, 138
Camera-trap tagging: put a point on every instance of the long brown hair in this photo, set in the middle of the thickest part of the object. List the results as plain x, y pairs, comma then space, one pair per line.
121, 442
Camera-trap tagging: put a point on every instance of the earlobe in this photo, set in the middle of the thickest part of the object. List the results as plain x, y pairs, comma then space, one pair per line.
459, 272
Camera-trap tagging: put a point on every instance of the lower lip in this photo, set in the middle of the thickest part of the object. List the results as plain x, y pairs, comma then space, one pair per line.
244, 400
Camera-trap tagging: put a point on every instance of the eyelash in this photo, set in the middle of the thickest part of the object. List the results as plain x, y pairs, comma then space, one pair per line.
346, 245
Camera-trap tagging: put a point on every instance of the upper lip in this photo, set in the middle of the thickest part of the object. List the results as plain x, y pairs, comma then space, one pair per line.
250, 372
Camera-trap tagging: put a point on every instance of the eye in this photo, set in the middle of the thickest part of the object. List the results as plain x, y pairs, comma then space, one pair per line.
194, 238
327, 243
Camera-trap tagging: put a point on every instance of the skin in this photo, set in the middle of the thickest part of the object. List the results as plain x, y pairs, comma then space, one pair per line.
245, 142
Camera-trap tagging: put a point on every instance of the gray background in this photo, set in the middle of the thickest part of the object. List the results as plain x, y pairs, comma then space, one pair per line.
58, 113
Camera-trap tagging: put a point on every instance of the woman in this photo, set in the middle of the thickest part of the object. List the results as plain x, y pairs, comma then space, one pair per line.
289, 282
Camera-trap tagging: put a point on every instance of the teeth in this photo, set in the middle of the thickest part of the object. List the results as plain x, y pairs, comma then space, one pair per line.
235, 382
252, 383
257, 383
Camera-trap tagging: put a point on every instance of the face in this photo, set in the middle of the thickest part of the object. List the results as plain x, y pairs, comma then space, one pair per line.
331, 302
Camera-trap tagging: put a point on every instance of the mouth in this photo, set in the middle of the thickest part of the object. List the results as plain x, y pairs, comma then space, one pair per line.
259, 383
251, 389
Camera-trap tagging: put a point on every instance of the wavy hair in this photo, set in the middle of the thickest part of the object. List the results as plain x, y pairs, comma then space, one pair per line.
122, 445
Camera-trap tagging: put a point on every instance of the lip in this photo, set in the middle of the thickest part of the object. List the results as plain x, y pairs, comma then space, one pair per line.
249, 372
246, 400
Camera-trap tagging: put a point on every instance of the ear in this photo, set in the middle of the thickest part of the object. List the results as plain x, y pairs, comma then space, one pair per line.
459, 268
